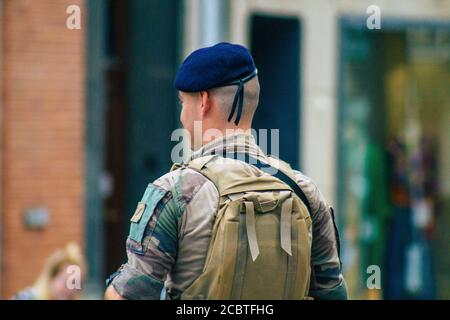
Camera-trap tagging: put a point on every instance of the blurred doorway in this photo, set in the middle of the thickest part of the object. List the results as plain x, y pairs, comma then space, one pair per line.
394, 112
131, 113
276, 48
113, 180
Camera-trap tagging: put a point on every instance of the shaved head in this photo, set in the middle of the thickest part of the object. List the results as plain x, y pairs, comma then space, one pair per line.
212, 108
224, 96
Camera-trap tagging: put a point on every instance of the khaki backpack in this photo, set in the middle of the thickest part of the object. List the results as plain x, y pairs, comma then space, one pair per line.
261, 238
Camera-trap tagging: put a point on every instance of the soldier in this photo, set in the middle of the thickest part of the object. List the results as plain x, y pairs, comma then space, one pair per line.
248, 227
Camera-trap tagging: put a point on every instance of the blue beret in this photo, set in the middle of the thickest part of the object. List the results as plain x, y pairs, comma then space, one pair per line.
214, 66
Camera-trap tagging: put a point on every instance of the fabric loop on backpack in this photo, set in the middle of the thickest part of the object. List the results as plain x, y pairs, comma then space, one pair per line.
285, 226
251, 229
176, 166
240, 262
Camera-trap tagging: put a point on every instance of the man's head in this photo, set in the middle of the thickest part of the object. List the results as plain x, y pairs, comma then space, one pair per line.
218, 87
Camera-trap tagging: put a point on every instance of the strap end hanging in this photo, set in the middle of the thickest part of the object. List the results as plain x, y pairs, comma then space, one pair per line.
240, 94
285, 226
237, 102
251, 229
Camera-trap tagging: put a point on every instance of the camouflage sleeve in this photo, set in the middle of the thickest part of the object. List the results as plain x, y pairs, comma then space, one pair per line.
151, 245
327, 281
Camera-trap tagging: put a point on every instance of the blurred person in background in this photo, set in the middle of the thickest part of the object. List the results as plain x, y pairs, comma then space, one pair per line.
58, 281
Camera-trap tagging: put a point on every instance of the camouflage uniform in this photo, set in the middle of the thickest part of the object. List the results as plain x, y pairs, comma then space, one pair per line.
168, 248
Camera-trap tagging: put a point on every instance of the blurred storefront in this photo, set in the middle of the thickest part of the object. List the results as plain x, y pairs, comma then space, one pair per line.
373, 125
394, 155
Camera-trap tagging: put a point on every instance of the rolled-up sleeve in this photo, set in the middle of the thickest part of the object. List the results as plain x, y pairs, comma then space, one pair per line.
134, 284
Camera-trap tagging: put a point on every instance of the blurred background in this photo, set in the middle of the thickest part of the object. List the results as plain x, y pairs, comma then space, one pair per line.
86, 117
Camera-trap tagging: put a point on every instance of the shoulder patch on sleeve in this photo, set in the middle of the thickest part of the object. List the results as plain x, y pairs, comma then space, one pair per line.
144, 211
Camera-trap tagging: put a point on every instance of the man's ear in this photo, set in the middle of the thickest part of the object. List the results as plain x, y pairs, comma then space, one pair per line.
206, 102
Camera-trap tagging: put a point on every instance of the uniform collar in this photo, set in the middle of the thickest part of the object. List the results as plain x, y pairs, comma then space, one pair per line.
238, 142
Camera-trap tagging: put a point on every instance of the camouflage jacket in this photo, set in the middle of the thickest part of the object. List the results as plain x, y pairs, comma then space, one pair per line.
168, 242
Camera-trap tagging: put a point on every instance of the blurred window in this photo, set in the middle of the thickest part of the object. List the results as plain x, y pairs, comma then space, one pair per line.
394, 158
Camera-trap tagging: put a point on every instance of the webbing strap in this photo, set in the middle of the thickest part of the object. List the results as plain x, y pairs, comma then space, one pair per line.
241, 261
292, 275
251, 229
285, 225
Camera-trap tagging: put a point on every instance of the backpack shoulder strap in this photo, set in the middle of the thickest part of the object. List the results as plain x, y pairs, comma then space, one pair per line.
277, 168
176, 166
199, 165
286, 174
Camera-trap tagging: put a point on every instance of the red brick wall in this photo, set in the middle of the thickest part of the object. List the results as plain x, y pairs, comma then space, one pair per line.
43, 90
